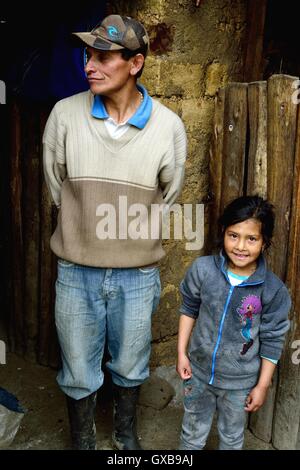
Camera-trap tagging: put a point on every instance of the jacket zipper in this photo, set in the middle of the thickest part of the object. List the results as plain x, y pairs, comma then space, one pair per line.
223, 320
220, 335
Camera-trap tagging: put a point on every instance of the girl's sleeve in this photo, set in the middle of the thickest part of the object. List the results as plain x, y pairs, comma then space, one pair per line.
54, 160
190, 292
275, 324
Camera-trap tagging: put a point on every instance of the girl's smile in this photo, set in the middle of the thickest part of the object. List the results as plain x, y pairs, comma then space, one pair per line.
243, 243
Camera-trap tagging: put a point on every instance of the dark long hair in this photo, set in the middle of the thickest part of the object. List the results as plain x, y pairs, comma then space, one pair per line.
248, 207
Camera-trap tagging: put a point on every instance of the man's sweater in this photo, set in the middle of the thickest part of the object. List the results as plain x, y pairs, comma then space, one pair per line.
235, 325
96, 180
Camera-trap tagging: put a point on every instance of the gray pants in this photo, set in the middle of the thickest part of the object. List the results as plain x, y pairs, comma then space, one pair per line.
200, 403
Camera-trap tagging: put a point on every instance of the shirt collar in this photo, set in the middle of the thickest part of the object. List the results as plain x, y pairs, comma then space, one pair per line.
139, 118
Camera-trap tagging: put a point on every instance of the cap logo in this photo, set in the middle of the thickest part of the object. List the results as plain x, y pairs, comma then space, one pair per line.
113, 32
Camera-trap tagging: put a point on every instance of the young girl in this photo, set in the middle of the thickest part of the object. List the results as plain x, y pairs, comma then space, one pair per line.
239, 311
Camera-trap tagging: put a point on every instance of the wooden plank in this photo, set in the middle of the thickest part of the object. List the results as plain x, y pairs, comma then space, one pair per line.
287, 411
260, 423
256, 15
46, 312
16, 327
216, 165
31, 226
234, 142
257, 155
282, 115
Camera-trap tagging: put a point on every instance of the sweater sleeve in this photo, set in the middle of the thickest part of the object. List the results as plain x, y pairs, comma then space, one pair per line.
180, 143
172, 174
275, 324
190, 292
54, 162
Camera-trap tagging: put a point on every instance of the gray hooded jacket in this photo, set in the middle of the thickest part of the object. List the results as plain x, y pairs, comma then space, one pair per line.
234, 325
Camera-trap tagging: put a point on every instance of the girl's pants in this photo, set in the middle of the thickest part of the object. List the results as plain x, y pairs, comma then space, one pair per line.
200, 403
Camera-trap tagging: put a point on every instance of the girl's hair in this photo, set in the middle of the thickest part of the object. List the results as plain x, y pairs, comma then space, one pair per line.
249, 207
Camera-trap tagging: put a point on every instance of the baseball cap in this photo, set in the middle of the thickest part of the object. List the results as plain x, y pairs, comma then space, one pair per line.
116, 32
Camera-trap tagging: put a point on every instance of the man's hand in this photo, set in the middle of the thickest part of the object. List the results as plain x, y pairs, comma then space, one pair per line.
183, 367
256, 398
198, 2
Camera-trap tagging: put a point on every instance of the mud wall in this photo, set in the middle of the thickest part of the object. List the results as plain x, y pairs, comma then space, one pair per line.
194, 51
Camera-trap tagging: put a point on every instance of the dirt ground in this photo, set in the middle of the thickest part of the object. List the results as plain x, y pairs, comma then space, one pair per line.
45, 425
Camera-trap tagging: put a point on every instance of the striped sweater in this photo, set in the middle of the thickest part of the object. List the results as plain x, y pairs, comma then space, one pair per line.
95, 181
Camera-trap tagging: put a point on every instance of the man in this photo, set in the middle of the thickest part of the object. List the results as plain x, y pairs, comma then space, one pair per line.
107, 150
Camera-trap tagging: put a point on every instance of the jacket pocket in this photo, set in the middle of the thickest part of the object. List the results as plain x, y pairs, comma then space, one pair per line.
231, 363
202, 356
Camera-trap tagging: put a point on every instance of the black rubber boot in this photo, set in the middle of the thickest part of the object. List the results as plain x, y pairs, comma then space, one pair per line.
82, 423
124, 434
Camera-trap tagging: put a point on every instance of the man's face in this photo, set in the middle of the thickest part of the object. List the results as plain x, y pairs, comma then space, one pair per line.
107, 72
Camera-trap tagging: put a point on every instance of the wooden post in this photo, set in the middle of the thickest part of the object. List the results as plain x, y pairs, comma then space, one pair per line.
31, 226
45, 293
281, 130
286, 428
216, 164
16, 327
234, 142
257, 156
260, 423
282, 115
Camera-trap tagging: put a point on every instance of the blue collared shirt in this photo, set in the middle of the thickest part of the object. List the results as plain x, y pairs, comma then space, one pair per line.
139, 119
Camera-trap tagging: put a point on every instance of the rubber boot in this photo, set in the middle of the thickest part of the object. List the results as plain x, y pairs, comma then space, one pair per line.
82, 423
124, 434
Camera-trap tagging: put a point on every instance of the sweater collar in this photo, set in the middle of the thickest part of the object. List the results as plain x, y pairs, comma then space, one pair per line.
139, 119
256, 278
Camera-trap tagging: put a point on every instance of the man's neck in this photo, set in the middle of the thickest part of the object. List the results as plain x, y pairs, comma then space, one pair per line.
122, 104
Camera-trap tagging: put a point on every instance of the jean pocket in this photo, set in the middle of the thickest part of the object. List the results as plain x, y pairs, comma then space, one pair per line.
157, 295
65, 263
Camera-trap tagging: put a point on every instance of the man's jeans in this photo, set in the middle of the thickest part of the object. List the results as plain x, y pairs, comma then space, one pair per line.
200, 403
98, 305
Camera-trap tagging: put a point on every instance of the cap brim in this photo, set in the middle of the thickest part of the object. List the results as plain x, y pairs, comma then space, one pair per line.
97, 43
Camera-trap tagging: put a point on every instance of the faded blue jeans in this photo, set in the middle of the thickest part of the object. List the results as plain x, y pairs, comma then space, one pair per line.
98, 305
200, 403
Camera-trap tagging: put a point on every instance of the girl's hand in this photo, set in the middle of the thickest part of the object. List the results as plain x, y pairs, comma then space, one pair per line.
256, 398
183, 367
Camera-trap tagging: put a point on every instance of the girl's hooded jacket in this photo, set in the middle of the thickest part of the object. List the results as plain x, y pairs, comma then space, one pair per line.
235, 325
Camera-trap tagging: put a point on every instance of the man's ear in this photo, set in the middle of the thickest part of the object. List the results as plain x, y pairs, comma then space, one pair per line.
137, 63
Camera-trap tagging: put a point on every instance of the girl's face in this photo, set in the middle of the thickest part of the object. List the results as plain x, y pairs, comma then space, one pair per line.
243, 243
